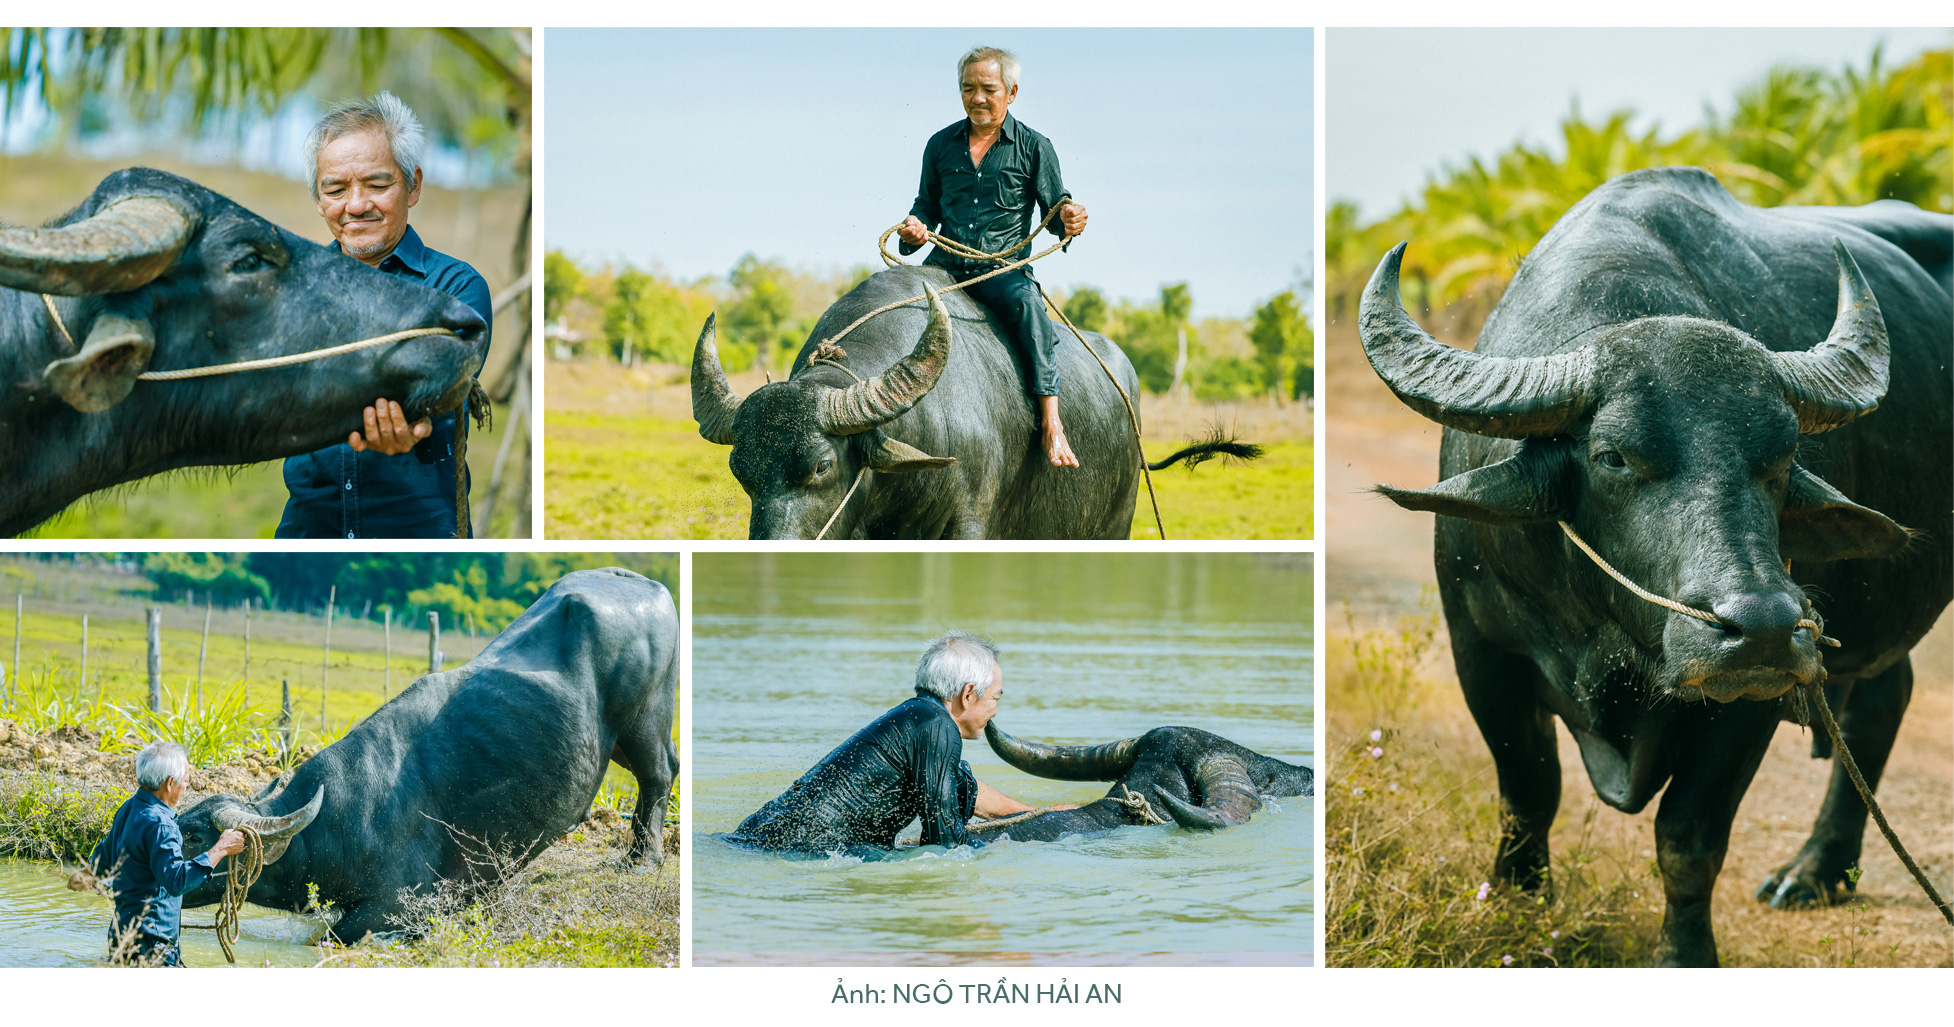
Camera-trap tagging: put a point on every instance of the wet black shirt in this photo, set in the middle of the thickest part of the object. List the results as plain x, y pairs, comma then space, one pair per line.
986, 206
907, 764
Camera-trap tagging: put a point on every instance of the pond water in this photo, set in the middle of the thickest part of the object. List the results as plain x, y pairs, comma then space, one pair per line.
42, 923
792, 653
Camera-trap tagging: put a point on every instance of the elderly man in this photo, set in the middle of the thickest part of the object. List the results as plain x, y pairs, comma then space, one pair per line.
981, 178
365, 163
141, 861
907, 764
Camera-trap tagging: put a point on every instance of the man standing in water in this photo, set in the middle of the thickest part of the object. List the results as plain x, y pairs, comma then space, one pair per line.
142, 861
981, 178
364, 158
906, 765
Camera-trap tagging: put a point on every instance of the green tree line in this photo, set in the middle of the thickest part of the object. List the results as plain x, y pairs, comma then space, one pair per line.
1796, 136
766, 311
492, 589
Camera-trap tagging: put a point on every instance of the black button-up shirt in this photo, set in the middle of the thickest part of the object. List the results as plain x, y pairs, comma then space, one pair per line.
986, 206
142, 863
339, 492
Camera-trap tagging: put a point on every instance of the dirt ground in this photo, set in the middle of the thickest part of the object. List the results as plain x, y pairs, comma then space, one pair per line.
1379, 563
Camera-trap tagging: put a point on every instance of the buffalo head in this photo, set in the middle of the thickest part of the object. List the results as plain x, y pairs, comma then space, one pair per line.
798, 444
159, 273
202, 823
1670, 443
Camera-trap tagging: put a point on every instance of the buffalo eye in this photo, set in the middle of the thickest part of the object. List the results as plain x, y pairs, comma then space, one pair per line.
1610, 458
821, 469
250, 263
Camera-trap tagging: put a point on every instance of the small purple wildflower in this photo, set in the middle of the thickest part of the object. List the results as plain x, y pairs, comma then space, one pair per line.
1485, 889
1377, 752
1506, 960
1553, 934
1377, 734
1359, 790
1548, 952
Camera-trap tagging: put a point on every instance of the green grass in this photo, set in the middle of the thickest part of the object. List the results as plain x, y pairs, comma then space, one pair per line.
639, 477
44, 818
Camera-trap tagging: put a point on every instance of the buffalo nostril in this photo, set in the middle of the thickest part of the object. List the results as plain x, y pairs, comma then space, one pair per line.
1759, 616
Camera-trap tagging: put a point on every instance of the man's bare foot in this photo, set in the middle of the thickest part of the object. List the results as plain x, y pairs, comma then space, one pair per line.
1057, 450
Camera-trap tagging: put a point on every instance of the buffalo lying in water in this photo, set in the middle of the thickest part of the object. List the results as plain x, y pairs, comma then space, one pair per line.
156, 273
505, 753
1180, 775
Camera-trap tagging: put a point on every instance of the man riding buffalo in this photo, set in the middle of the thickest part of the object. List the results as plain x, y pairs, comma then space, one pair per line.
981, 177
907, 764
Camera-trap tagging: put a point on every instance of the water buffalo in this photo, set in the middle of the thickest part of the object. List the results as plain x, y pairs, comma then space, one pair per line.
504, 753
1199, 779
1690, 384
157, 273
926, 405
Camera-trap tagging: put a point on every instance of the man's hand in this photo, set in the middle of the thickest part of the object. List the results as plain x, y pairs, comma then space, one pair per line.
1073, 218
230, 843
387, 430
915, 233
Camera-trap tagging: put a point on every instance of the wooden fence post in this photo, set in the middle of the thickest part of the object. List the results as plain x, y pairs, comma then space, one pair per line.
82, 682
285, 721
203, 650
247, 653
13, 682
155, 659
386, 682
325, 664
434, 653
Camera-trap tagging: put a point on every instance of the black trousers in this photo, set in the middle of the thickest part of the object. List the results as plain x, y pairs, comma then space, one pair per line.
1017, 301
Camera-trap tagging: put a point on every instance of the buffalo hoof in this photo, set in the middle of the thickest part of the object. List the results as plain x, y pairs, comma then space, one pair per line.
1799, 884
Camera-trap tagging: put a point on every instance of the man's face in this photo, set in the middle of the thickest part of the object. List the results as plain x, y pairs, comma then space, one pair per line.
971, 713
362, 196
985, 97
171, 791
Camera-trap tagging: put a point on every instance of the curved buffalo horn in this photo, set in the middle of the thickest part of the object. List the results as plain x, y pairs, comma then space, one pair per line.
1509, 398
1227, 793
1843, 377
889, 395
122, 247
277, 785
1104, 762
713, 402
271, 828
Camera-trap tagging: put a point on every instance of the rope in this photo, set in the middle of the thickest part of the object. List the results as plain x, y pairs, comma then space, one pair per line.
294, 358
961, 250
844, 503
1813, 692
245, 868
1817, 693
1136, 804
1014, 818
48, 302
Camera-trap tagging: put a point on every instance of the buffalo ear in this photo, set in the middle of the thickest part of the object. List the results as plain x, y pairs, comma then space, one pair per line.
891, 457
104, 372
1520, 489
1819, 523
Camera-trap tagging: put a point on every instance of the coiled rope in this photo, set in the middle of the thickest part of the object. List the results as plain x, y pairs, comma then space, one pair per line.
1812, 692
1135, 804
952, 246
244, 871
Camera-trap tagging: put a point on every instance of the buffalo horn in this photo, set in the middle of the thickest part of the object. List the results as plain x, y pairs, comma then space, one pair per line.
270, 828
277, 785
1843, 377
1510, 398
889, 395
713, 402
1226, 791
122, 247
1104, 762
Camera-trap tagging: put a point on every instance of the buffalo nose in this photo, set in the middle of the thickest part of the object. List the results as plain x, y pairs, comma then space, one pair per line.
1761, 618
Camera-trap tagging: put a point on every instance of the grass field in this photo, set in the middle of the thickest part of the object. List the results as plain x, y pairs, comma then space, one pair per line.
625, 461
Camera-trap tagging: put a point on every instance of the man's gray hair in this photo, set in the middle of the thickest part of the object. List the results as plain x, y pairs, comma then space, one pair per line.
384, 113
1007, 63
953, 661
160, 761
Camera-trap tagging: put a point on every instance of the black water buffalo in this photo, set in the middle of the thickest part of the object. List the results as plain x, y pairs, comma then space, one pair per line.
157, 273
925, 405
1691, 384
503, 754
1182, 775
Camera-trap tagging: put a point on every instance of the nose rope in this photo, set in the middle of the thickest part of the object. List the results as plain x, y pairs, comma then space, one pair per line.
244, 871
1817, 626
1813, 692
293, 358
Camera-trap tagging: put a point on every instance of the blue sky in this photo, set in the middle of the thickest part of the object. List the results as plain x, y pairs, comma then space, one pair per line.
686, 148
1403, 102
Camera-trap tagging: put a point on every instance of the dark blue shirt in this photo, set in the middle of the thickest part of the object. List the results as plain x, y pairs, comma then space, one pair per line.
142, 863
339, 492
986, 206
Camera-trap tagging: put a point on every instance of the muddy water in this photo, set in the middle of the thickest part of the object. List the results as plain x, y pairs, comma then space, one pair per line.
792, 653
42, 923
